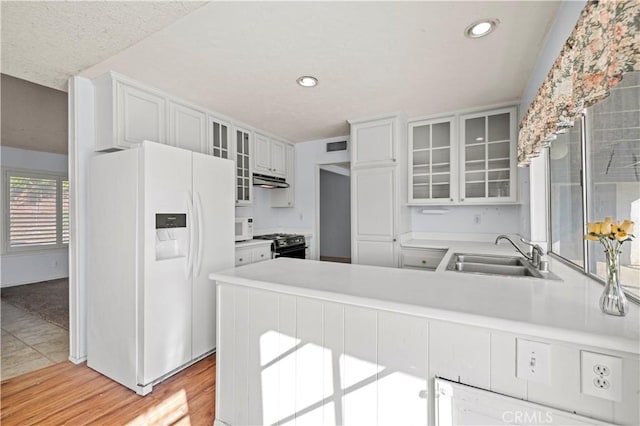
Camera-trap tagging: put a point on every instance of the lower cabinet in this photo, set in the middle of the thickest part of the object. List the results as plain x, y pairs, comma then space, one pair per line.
253, 253
426, 259
284, 359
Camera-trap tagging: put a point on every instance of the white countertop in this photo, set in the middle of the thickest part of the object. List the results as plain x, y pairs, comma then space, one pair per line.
557, 310
253, 243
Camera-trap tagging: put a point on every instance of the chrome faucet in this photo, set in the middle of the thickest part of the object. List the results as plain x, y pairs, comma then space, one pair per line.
535, 257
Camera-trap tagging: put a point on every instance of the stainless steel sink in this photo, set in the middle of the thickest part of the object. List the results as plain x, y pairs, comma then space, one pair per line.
507, 266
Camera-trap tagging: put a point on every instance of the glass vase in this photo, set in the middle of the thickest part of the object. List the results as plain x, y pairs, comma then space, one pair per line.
613, 301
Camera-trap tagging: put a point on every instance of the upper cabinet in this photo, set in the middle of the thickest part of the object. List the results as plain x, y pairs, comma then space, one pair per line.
219, 138
475, 165
377, 182
373, 143
127, 114
284, 197
270, 156
488, 157
187, 127
244, 186
432, 162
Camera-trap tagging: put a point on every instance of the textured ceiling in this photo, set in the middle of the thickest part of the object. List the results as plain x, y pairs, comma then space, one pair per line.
242, 58
46, 42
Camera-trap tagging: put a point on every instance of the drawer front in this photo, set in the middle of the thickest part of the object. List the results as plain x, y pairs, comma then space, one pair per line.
422, 259
260, 254
243, 257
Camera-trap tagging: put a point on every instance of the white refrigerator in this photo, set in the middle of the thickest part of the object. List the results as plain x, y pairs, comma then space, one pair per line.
162, 219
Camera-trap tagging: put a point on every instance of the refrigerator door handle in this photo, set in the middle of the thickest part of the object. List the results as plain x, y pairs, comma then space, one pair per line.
200, 234
191, 224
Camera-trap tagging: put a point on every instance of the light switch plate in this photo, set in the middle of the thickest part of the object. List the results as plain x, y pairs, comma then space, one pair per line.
533, 361
601, 375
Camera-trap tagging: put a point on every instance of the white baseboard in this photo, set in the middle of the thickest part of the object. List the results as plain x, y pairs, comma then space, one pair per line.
77, 360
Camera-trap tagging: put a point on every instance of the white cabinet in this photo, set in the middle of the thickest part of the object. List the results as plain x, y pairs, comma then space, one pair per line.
219, 135
278, 158
270, 156
127, 114
432, 158
374, 143
285, 197
475, 165
187, 127
488, 157
243, 149
255, 252
422, 259
377, 217
373, 211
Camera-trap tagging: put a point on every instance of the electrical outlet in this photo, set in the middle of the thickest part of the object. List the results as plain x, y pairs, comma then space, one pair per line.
601, 375
533, 361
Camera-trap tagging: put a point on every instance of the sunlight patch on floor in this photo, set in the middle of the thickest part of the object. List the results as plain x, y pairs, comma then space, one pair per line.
174, 409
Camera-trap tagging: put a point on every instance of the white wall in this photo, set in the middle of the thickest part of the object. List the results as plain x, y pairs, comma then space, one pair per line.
462, 219
534, 209
43, 265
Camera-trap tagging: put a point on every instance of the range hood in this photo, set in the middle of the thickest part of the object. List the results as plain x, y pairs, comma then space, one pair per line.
270, 182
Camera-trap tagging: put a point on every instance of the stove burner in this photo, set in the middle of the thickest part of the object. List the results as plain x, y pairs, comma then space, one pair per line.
286, 245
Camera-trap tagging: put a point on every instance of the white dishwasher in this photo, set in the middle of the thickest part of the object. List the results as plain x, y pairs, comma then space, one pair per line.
458, 404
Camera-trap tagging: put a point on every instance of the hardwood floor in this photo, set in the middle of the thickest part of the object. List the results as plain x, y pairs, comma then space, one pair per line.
77, 395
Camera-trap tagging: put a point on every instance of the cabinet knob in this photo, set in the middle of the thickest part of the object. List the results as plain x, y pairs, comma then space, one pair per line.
241, 259
450, 199
394, 240
262, 255
394, 160
461, 199
424, 262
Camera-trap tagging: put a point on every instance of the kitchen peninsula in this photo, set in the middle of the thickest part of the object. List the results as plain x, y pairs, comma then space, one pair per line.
305, 339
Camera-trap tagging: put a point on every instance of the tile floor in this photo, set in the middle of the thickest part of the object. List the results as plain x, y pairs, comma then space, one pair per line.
28, 342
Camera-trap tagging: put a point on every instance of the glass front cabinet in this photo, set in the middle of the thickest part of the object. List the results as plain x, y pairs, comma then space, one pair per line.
244, 186
432, 162
219, 138
464, 159
488, 157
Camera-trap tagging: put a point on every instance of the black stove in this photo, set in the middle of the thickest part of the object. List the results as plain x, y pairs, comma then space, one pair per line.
286, 245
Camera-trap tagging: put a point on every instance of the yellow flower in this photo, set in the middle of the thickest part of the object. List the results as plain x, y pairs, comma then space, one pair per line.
605, 227
594, 227
621, 236
608, 219
627, 226
591, 237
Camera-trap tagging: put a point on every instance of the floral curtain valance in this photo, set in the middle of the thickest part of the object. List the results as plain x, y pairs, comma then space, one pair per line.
604, 44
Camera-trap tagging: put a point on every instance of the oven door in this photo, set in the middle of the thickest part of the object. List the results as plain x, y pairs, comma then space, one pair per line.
296, 252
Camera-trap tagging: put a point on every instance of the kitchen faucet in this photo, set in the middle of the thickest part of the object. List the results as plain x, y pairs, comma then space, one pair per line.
535, 257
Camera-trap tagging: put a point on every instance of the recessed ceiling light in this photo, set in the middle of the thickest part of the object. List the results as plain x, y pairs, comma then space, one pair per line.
481, 28
307, 81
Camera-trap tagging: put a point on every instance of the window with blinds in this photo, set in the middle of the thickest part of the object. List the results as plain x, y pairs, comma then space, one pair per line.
38, 211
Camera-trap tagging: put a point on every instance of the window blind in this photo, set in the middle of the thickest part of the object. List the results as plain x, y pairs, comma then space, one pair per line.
38, 215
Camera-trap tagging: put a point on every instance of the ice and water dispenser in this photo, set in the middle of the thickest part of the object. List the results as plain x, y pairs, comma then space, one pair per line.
172, 235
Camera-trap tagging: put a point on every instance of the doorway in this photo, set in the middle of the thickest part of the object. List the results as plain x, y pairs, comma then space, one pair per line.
334, 221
